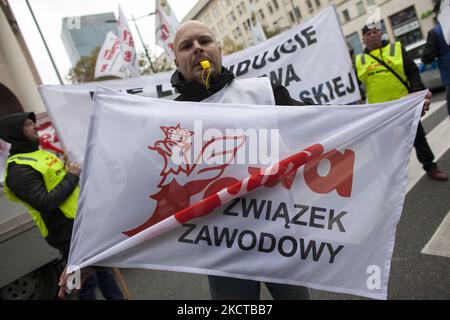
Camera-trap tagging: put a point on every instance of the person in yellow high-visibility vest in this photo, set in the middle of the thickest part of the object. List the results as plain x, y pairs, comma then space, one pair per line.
388, 73
49, 189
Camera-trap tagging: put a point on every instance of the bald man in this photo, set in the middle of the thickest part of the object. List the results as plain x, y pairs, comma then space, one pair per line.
193, 44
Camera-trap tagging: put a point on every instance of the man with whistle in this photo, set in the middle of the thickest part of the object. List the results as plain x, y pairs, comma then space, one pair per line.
200, 76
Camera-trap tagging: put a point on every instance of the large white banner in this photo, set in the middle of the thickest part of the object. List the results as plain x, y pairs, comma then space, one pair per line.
310, 60
329, 224
444, 19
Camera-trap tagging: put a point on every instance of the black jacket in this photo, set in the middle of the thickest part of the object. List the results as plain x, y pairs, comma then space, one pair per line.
431, 50
411, 70
195, 91
29, 186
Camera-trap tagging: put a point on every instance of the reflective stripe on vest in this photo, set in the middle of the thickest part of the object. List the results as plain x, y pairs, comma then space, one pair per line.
381, 85
53, 172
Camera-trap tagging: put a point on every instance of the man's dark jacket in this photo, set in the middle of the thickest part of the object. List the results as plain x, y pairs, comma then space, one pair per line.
29, 186
195, 91
437, 47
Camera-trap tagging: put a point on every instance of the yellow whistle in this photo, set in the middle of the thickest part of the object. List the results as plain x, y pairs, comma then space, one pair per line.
205, 64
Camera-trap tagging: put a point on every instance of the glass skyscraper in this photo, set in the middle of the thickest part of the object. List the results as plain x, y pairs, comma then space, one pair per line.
82, 34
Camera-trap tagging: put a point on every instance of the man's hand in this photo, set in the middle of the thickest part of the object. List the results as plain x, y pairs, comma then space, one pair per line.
85, 273
73, 168
427, 102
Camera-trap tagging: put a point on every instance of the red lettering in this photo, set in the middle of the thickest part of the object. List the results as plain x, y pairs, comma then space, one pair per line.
125, 35
127, 55
51, 163
339, 178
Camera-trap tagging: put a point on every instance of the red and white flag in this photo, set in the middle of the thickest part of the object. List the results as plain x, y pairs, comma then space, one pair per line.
166, 25
301, 195
127, 46
255, 26
109, 59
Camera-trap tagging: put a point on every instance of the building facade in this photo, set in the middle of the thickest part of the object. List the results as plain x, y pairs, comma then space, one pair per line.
407, 21
402, 20
81, 35
18, 75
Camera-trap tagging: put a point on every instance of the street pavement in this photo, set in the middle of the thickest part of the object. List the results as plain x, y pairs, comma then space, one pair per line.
421, 259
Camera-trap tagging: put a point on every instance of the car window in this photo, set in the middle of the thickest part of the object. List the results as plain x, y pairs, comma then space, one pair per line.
416, 53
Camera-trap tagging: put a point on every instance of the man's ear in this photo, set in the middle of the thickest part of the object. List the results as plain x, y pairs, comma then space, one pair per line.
176, 62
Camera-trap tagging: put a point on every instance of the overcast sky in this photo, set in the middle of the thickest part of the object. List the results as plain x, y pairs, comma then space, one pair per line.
49, 14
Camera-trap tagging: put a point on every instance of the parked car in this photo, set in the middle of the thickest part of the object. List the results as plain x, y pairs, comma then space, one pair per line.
429, 74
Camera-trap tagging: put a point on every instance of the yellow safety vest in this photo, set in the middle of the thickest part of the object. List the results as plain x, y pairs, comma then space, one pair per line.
381, 84
52, 170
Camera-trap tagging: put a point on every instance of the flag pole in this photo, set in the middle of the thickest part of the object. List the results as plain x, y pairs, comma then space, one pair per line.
122, 283
142, 41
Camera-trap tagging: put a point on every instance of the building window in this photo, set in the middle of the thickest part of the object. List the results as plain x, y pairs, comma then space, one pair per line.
261, 14
309, 6
216, 10
239, 9
360, 8
269, 7
207, 19
243, 7
298, 13
275, 4
238, 32
318, 4
275, 25
406, 26
403, 16
244, 25
221, 26
233, 16
346, 15
291, 16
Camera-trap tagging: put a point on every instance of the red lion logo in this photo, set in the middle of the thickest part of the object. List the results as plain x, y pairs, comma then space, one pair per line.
174, 194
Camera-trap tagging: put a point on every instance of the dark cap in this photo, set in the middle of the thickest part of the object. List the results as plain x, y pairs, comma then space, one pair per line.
371, 27
11, 126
